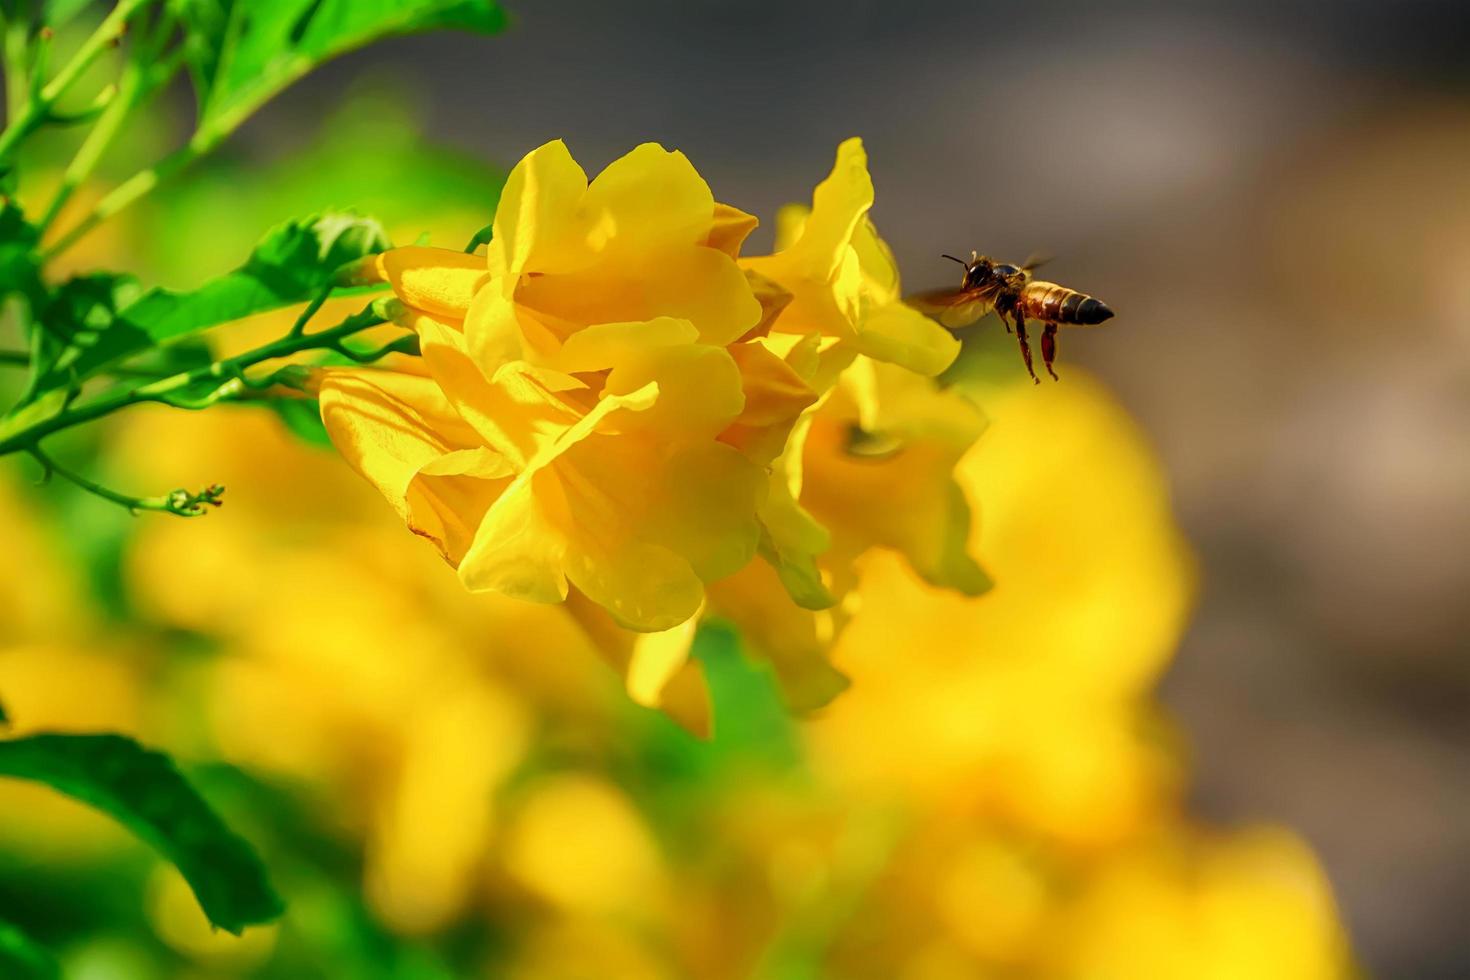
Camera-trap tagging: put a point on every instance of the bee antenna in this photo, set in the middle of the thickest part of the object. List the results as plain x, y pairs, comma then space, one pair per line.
953, 259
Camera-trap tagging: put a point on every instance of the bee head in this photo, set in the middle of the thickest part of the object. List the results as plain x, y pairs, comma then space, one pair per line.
978, 271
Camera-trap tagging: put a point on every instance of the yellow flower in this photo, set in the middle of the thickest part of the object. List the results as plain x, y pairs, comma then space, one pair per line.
872, 467
580, 418
846, 332
843, 281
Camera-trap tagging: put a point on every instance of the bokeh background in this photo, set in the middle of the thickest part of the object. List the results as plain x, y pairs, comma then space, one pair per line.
1273, 196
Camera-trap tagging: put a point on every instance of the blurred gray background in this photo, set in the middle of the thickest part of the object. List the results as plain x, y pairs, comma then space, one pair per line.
1276, 199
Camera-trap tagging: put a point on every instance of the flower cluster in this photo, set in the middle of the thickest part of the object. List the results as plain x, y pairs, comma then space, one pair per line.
614, 408
997, 794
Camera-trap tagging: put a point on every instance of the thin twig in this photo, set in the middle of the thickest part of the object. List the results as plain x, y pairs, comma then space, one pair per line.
180, 502
174, 389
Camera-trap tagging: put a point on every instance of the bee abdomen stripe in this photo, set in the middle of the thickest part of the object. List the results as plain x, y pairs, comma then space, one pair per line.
1071, 305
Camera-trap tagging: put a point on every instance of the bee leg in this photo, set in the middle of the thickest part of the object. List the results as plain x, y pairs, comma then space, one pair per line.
1049, 348
1005, 321
1025, 347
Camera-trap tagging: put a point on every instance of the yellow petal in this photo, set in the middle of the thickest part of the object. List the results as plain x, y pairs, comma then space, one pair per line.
791, 542
697, 501
699, 386
448, 497
438, 281
790, 222
656, 658
839, 205
515, 412
699, 284
903, 336
795, 641
538, 223
517, 551
708, 511
523, 545
831, 304
644, 587
650, 200
683, 696
730, 228
791, 537
775, 396
605, 345
555, 442
890, 400
924, 513
772, 297
390, 424
880, 268
497, 331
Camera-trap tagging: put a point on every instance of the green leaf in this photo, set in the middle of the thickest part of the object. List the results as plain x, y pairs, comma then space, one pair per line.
242, 52
292, 264
143, 790
47, 406
751, 722
75, 315
21, 958
20, 273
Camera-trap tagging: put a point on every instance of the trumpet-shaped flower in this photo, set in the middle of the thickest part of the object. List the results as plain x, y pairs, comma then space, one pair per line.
580, 418
873, 468
843, 280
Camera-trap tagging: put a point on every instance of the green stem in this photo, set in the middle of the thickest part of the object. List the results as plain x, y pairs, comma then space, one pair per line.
142, 183
171, 390
36, 110
128, 192
178, 502
106, 33
143, 77
17, 90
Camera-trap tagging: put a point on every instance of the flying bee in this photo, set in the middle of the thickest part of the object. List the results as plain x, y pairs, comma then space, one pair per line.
1012, 292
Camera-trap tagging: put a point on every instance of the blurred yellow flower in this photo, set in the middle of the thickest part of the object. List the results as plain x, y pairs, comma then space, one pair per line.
38, 592
577, 843
1194, 907
179, 922
377, 687
1029, 700
579, 420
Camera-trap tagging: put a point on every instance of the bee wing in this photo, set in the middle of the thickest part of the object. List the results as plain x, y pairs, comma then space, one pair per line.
1036, 260
955, 308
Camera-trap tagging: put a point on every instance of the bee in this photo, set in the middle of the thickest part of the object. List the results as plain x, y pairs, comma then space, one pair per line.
1011, 292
